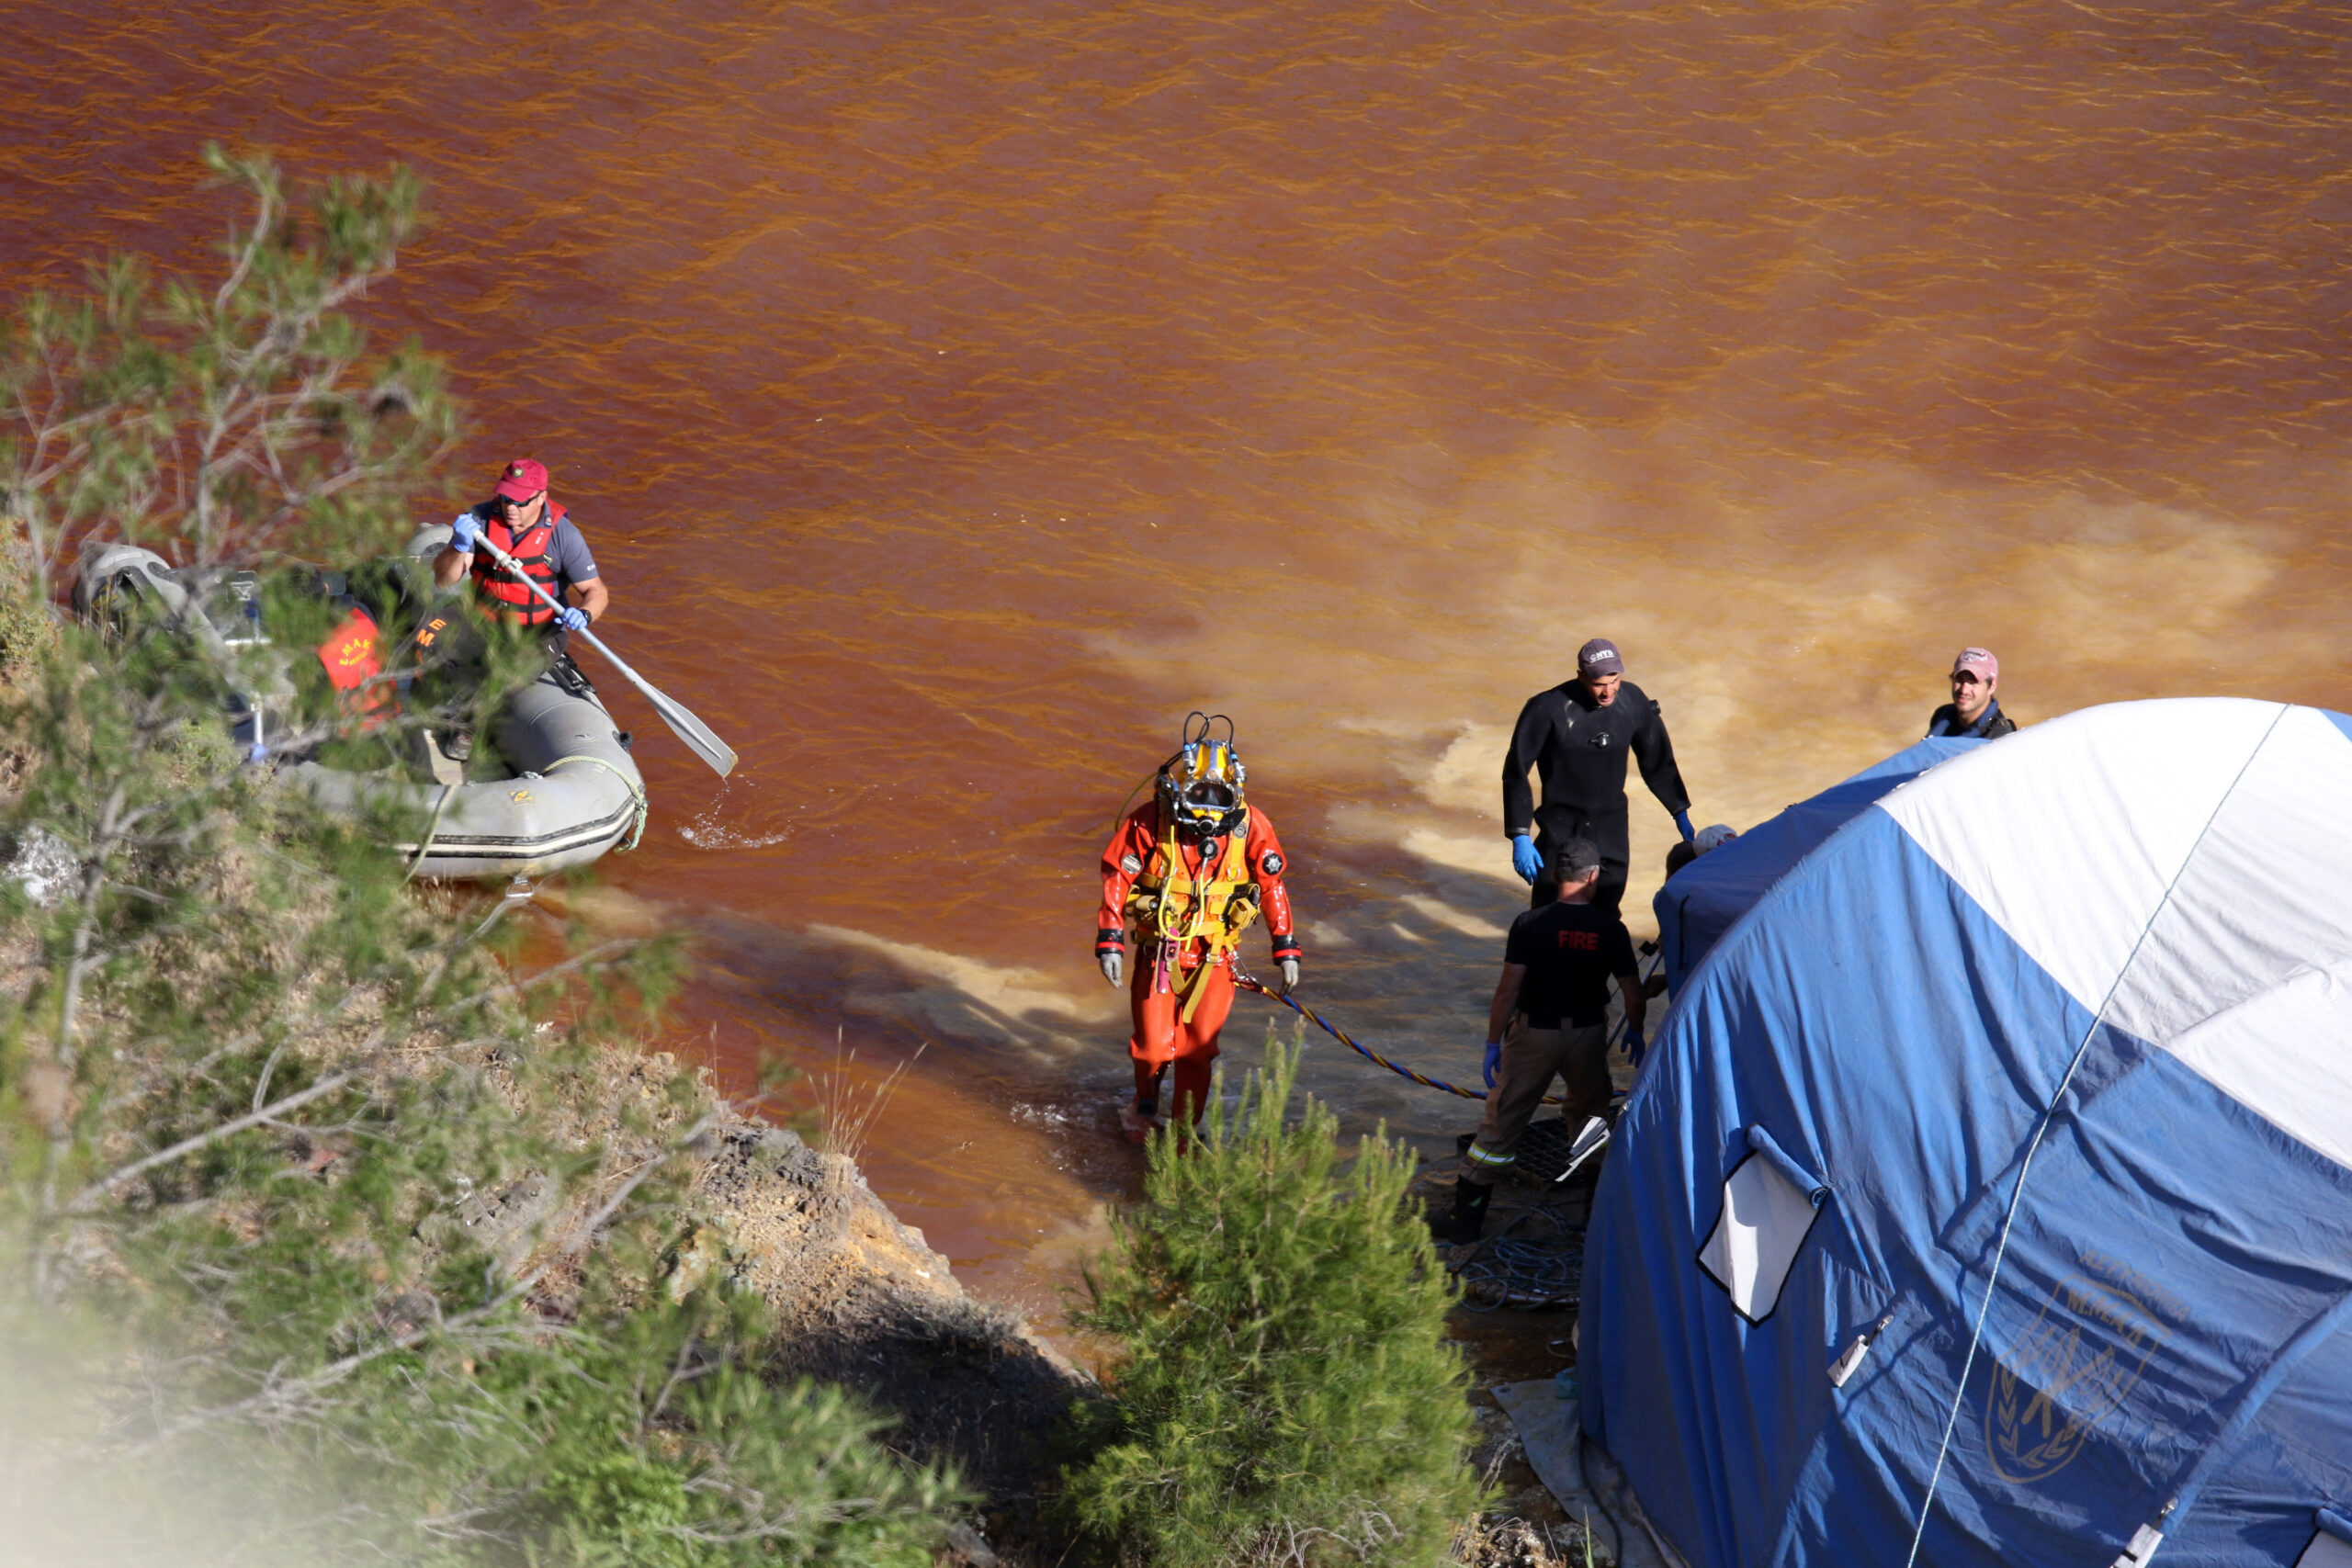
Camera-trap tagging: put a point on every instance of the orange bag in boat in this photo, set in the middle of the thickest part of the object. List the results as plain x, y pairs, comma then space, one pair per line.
352, 655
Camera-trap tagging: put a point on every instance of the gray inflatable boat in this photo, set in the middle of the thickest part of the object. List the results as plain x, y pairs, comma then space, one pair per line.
569, 790
573, 793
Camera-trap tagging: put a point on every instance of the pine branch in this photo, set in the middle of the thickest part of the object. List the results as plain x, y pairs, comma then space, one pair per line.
283, 1395
80, 1207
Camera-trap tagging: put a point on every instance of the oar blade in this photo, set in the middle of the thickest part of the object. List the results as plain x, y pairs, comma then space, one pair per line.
697, 736
693, 732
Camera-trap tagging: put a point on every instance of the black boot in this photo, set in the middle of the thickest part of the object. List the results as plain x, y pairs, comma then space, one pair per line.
1470, 1200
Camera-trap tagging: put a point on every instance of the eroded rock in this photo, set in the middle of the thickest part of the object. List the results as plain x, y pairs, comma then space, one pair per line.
863, 1301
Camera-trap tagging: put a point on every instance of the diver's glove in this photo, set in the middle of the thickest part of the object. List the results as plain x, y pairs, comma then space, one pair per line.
1523, 858
1682, 820
1494, 1060
1115, 965
464, 533
1290, 974
571, 617
1635, 1047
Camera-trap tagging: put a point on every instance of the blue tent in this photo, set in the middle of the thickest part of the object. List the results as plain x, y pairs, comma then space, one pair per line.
1699, 902
1987, 1197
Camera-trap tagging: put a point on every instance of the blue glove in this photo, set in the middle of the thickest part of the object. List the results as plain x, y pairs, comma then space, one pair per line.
464, 532
1635, 1047
1494, 1060
1523, 858
1682, 820
571, 617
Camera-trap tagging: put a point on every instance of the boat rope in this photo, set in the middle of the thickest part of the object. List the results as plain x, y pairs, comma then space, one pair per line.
636, 794
424, 843
1251, 983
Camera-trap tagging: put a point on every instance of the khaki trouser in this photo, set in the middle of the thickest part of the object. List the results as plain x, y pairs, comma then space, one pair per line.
1531, 1057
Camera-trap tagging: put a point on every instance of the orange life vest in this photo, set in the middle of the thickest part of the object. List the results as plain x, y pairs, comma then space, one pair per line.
533, 551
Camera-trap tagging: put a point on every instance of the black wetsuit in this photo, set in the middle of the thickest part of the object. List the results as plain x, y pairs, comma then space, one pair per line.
1580, 749
1991, 725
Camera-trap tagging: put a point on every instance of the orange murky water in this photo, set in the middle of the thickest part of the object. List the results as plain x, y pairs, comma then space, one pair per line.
956, 394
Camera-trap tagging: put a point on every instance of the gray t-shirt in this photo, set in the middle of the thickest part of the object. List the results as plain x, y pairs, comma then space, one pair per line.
569, 552
572, 561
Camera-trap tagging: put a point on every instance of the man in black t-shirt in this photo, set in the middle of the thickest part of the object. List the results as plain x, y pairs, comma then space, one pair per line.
1558, 968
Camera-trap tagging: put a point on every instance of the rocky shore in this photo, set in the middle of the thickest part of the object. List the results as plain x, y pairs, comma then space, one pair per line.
863, 1302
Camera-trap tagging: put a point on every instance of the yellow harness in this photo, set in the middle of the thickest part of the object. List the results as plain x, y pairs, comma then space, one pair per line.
1178, 905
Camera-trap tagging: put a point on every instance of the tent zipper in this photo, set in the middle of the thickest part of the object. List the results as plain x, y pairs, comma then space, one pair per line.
1847, 1365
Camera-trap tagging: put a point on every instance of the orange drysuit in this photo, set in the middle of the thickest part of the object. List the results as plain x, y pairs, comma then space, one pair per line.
1188, 903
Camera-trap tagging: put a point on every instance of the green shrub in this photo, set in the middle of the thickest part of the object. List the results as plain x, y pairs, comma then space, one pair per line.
1284, 1395
705, 1466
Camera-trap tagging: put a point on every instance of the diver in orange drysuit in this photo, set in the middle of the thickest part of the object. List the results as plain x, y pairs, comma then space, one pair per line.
1190, 869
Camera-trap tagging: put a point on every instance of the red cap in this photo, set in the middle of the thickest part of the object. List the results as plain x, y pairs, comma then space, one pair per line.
523, 479
1977, 660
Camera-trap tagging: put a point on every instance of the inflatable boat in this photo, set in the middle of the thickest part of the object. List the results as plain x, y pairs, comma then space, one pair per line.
562, 791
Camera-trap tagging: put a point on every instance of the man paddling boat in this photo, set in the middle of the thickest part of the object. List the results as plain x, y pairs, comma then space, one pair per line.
522, 521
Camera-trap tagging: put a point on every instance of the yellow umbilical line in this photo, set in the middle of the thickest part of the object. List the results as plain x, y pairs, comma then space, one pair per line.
1251, 983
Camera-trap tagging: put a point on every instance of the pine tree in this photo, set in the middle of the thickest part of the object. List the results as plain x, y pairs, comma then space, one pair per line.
1283, 1393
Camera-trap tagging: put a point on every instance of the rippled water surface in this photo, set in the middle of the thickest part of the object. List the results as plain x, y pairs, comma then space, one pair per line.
956, 394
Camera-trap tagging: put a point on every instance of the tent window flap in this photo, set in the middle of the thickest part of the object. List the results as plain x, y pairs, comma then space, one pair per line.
2325, 1552
1765, 1218
2330, 1546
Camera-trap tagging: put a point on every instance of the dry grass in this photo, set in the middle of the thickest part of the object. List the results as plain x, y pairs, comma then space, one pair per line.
1499, 1541
1524, 1529
848, 1106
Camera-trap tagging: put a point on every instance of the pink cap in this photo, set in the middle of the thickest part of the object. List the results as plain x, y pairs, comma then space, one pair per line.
1980, 660
525, 478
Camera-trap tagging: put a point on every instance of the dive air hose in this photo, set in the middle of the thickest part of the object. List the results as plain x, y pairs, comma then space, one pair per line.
1249, 982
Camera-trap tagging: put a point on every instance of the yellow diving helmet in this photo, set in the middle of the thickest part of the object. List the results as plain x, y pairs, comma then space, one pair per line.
1200, 786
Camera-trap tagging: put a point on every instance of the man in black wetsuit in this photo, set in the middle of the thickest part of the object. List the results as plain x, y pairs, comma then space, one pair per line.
1974, 712
1577, 736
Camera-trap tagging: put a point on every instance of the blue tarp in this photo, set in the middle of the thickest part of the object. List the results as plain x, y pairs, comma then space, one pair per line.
1699, 902
1986, 1198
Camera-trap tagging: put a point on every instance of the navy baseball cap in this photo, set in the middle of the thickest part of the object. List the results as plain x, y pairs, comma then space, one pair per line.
1599, 657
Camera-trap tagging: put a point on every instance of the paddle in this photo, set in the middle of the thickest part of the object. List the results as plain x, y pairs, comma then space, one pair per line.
681, 721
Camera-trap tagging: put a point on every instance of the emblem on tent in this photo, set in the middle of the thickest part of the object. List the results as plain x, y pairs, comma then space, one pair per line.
2068, 1373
